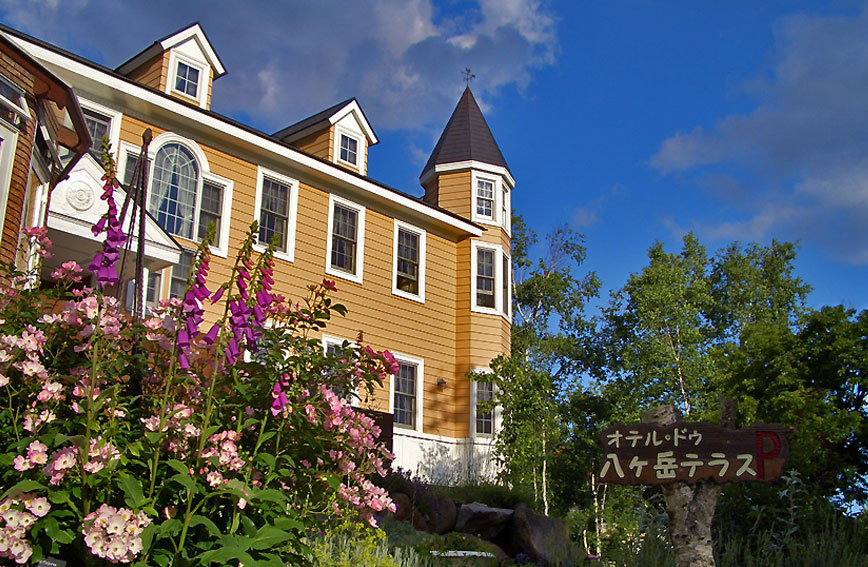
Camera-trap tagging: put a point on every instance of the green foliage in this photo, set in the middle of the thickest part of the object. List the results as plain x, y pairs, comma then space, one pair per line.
353, 545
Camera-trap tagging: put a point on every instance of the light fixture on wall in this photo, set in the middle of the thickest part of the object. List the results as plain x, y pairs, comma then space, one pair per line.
441, 382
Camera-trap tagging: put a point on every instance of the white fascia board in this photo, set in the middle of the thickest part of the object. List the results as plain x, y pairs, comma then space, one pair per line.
470, 164
65, 66
195, 31
354, 107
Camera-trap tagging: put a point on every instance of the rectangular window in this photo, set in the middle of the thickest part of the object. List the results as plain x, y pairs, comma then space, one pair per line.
130, 168
99, 126
152, 292
485, 277
408, 262
505, 288
344, 239
504, 210
12, 99
484, 419
210, 209
274, 213
187, 80
485, 198
405, 395
349, 150
181, 275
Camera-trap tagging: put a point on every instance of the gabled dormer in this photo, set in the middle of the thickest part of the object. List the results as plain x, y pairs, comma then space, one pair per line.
466, 173
182, 64
340, 134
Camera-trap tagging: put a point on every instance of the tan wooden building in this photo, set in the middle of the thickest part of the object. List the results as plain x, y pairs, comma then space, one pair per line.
428, 279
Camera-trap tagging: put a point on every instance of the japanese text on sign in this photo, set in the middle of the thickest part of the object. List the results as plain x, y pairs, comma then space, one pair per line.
643, 453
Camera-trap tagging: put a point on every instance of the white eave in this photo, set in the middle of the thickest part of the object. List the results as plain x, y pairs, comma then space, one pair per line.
144, 100
469, 164
356, 110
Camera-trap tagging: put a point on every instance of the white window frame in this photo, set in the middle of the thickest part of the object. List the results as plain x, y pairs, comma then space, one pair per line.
292, 215
360, 148
220, 247
419, 363
496, 418
19, 107
501, 201
114, 132
201, 97
7, 161
400, 225
498, 279
360, 240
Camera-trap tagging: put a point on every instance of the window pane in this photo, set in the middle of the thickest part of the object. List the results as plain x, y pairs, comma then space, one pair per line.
343, 253
408, 262
187, 80
210, 209
484, 198
485, 278
349, 149
98, 127
405, 395
130, 168
173, 190
180, 275
484, 419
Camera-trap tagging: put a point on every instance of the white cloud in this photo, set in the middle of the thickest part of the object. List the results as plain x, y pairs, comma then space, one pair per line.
799, 156
291, 59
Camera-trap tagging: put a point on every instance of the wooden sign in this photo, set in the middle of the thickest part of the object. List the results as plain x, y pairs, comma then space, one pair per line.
645, 453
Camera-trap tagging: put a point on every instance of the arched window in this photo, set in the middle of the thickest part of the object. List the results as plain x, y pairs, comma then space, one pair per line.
173, 190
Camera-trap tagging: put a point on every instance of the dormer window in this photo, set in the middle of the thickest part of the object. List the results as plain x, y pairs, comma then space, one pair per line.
187, 80
349, 150
99, 126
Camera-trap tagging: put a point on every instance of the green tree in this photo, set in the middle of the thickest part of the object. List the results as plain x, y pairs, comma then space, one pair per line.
548, 306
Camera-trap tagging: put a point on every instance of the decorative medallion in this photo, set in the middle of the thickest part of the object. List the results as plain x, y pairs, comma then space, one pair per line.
80, 196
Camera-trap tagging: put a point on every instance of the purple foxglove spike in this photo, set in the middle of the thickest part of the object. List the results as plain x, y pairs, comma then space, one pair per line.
211, 337
258, 315
218, 294
183, 363
183, 339
200, 279
242, 275
99, 226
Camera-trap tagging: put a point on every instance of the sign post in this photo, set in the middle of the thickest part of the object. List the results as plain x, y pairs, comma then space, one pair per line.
690, 461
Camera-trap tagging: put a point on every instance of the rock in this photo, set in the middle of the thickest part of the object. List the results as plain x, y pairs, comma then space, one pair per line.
442, 515
478, 519
540, 537
419, 523
403, 506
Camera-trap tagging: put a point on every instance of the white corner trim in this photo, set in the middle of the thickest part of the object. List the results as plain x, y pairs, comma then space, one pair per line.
288, 253
400, 225
360, 240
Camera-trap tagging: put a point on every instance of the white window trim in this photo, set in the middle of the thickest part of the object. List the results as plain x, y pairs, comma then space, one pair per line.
292, 214
498, 279
360, 240
221, 245
506, 221
496, 218
496, 418
508, 313
19, 106
7, 160
420, 388
114, 134
399, 225
360, 148
201, 97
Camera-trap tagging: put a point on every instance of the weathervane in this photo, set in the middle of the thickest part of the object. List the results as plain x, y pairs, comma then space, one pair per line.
468, 76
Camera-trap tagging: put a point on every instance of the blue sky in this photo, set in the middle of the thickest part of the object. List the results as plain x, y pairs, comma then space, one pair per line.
631, 121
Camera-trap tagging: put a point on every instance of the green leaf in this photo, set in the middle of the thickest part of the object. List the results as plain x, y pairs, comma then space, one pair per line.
223, 554
170, 527
268, 537
133, 492
25, 485
271, 495
185, 480
198, 520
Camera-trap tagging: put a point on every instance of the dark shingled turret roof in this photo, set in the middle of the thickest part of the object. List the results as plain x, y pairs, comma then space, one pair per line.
466, 137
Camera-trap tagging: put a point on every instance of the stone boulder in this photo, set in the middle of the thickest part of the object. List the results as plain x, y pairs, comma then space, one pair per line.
540, 537
442, 515
403, 506
481, 520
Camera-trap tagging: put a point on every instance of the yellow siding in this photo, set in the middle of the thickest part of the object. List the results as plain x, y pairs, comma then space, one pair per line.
152, 73
442, 331
318, 143
210, 84
454, 192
